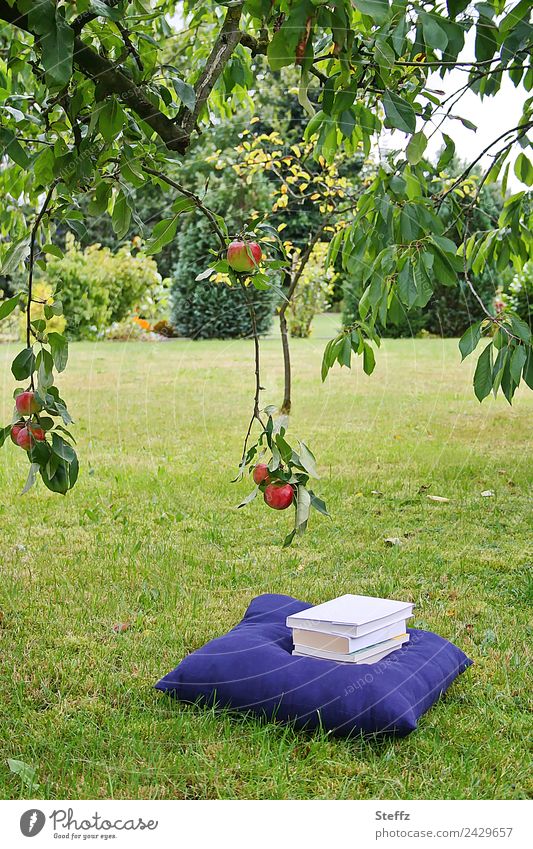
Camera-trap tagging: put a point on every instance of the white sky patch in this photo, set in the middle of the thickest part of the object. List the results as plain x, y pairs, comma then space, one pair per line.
492, 116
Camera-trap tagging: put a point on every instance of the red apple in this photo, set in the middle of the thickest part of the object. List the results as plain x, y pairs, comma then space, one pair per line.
279, 496
28, 435
27, 404
244, 256
261, 474
15, 430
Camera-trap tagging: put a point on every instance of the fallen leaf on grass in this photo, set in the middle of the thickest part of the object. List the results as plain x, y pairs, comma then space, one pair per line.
439, 498
25, 772
390, 541
120, 627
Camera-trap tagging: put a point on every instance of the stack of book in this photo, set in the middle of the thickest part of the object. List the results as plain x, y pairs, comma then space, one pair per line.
351, 629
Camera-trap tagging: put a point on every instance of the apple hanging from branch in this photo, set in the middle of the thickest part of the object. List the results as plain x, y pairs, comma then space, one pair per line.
279, 496
244, 256
285, 478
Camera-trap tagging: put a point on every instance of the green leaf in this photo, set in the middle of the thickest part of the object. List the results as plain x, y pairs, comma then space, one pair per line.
25, 772
62, 448
15, 255
32, 477
518, 360
44, 365
523, 169
483, 374
104, 11
434, 35
384, 54
307, 460
185, 92
63, 430
284, 448
520, 328
280, 51
448, 152
303, 508
64, 475
24, 364
400, 114
121, 215
59, 348
527, 373
56, 41
7, 307
54, 250
249, 497
469, 340
111, 119
289, 538
10, 146
416, 147
182, 205
369, 360
318, 503
455, 7
43, 167
344, 353
163, 233
443, 267
406, 286
486, 39
378, 10
346, 123
4, 433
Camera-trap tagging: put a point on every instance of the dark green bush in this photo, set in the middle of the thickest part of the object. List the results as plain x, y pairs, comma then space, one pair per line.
203, 309
449, 312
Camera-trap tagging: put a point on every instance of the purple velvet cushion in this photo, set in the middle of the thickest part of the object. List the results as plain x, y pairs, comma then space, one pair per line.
251, 668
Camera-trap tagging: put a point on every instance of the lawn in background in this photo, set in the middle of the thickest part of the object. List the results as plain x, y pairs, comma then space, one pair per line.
149, 543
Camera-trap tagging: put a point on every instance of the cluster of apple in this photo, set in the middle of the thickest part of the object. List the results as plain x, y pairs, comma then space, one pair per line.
25, 432
276, 494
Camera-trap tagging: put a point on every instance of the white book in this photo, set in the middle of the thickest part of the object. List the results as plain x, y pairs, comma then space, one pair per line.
346, 645
365, 656
351, 615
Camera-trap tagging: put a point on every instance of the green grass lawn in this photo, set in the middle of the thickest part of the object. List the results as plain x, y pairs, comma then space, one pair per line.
150, 536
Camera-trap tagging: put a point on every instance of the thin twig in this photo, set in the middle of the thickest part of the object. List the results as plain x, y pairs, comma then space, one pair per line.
33, 238
195, 199
521, 129
493, 319
129, 45
256, 415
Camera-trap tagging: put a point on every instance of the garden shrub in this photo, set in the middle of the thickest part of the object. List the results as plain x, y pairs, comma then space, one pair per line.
98, 287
